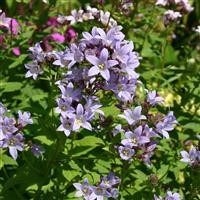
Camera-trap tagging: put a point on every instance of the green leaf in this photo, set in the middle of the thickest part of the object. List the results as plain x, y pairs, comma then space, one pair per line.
11, 86
1, 162
48, 187
170, 55
70, 174
146, 50
7, 160
110, 110
38, 97
86, 145
89, 141
162, 171
24, 178
9, 3
74, 166
33, 187
101, 169
82, 150
18, 61
140, 175
193, 126
43, 139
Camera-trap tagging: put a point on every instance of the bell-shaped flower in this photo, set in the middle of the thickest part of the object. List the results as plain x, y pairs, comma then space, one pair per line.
132, 116
101, 64
135, 138
14, 144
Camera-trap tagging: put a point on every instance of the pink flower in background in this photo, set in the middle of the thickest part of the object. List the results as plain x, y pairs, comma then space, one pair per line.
9, 23
57, 37
16, 51
70, 34
14, 26
52, 21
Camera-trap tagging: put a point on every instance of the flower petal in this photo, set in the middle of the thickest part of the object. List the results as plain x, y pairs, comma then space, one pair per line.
93, 71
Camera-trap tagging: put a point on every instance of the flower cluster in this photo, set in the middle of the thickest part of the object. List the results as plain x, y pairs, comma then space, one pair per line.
89, 13
106, 188
181, 7
105, 61
140, 136
102, 60
42, 53
34, 68
169, 196
113, 69
170, 16
11, 136
192, 157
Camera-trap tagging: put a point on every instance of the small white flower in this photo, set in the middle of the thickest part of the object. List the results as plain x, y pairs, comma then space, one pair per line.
104, 17
45, 1
197, 29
